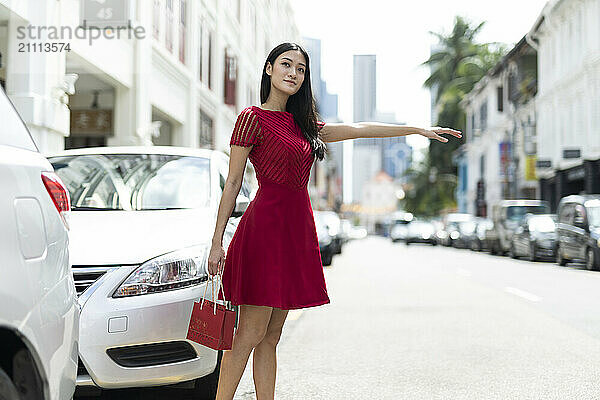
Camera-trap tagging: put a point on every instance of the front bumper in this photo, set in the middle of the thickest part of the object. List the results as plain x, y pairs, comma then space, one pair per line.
112, 323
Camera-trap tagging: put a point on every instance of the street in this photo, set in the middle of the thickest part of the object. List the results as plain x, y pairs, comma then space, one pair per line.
422, 322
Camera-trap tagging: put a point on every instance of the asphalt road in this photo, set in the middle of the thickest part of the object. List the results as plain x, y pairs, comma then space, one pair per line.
422, 322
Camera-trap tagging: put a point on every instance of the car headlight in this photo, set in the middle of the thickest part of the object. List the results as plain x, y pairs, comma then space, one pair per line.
175, 270
454, 235
425, 236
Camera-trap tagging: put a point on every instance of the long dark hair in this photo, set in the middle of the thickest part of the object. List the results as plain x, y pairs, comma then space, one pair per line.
301, 105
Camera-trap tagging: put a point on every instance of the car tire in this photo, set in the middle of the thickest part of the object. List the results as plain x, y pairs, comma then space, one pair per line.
205, 388
493, 249
560, 259
8, 391
327, 258
511, 251
532, 252
591, 264
26, 378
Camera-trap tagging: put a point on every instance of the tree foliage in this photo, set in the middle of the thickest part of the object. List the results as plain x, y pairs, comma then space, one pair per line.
457, 63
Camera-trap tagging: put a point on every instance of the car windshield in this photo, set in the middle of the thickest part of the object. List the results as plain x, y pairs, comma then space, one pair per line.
516, 213
467, 227
594, 216
542, 224
134, 181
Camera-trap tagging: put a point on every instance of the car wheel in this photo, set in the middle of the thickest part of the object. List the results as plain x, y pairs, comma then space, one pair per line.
493, 250
511, 252
26, 377
205, 388
8, 391
590, 261
407, 243
327, 258
532, 252
560, 260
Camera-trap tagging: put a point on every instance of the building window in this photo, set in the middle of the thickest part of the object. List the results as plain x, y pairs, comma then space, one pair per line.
230, 79
169, 26
156, 19
182, 30
483, 116
206, 139
500, 96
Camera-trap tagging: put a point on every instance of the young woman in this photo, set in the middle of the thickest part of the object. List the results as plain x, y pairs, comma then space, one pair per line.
273, 262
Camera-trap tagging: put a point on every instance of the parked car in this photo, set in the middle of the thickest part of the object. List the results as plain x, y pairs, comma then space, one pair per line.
535, 237
465, 232
479, 240
346, 227
420, 232
450, 229
579, 230
39, 314
400, 223
358, 232
507, 216
325, 243
142, 222
333, 223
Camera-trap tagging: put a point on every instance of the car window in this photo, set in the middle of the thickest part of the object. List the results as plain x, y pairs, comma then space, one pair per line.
594, 216
566, 214
516, 213
541, 224
134, 181
13, 131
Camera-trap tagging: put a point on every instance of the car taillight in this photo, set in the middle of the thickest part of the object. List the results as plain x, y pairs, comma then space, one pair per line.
58, 193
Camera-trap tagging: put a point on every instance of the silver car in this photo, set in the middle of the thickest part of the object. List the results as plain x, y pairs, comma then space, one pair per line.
142, 222
39, 315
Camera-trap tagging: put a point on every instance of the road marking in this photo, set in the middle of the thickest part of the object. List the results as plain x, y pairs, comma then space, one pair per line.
522, 293
463, 272
294, 314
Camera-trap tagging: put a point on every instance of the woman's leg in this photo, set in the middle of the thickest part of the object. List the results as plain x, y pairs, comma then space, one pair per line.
264, 362
251, 330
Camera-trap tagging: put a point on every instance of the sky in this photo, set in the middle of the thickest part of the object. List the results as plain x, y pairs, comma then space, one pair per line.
397, 32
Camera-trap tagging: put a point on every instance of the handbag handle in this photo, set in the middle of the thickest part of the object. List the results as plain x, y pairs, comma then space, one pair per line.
219, 276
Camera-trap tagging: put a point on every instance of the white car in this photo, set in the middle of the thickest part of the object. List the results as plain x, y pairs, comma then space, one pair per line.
39, 315
142, 222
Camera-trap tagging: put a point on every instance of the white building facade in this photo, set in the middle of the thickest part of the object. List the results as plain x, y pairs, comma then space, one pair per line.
567, 34
193, 66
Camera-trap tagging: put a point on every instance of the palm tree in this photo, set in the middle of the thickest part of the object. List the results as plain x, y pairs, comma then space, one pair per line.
457, 64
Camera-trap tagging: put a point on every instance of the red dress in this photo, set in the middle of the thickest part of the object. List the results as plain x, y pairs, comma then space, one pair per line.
273, 258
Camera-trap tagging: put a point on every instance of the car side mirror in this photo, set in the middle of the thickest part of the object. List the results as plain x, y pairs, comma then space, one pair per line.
241, 204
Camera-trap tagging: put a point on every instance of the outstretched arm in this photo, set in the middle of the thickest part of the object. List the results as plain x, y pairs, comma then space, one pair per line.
335, 132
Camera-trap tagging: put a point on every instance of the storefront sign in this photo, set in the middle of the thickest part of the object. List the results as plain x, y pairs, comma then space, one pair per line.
530, 174
92, 122
505, 159
105, 13
572, 153
543, 163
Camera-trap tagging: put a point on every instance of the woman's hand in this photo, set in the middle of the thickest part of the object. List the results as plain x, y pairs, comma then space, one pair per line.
216, 259
436, 131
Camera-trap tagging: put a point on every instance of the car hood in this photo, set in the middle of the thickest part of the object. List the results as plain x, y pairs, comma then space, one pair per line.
132, 237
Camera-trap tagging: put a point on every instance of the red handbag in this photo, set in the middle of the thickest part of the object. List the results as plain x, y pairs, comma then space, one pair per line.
212, 324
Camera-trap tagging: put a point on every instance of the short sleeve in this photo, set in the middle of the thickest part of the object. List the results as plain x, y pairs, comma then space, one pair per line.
246, 131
